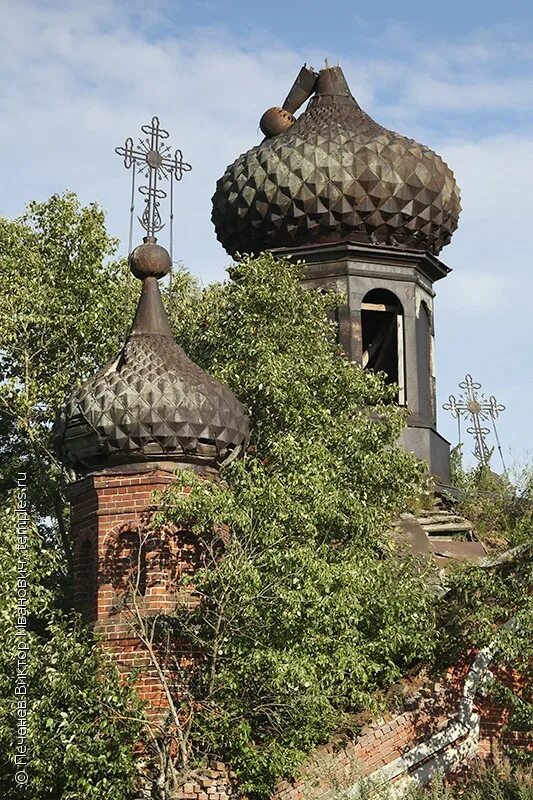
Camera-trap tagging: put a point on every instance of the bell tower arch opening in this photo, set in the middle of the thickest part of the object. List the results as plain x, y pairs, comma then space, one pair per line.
382, 329
425, 363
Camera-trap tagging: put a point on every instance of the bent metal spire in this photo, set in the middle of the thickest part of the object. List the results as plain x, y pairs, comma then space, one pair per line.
151, 403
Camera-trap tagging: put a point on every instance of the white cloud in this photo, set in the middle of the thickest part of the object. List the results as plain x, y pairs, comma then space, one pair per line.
484, 321
478, 294
77, 78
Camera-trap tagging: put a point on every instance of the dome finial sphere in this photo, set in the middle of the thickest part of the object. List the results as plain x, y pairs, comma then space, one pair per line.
275, 121
149, 260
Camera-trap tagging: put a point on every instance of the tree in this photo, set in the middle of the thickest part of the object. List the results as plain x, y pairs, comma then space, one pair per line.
493, 603
306, 614
65, 306
82, 723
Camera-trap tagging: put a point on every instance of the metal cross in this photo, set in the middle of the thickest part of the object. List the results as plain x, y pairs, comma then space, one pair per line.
475, 408
154, 159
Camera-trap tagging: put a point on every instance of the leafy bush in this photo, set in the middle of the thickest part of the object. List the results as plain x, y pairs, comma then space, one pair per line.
500, 780
64, 307
305, 616
500, 506
82, 724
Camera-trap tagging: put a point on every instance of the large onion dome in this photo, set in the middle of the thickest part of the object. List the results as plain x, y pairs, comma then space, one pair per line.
151, 403
332, 175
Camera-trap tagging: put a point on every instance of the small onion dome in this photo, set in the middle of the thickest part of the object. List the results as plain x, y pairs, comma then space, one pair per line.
335, 175
151, 403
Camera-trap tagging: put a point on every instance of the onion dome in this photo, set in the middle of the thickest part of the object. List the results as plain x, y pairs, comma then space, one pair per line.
333, 174
151, 403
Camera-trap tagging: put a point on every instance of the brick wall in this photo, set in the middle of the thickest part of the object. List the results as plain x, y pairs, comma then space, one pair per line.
497, 730
333, 767
117, 557
382, 745
114, 550
214, 783
338, 765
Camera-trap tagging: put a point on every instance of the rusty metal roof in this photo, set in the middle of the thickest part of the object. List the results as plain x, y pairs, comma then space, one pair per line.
151, 403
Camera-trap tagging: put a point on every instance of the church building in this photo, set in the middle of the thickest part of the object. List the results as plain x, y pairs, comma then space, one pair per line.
368, 212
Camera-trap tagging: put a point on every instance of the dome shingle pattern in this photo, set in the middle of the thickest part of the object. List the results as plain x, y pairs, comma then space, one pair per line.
336, 175
152, 403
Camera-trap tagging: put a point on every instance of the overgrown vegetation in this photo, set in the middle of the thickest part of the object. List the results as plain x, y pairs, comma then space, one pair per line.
305, 617
501, 780
494, 603
499, 506
80, 721
63, 310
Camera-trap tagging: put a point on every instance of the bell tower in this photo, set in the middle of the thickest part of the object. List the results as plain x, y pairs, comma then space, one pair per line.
387, 324
368, 211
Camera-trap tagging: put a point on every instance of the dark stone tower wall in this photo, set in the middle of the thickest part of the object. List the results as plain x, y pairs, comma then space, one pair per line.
355, 270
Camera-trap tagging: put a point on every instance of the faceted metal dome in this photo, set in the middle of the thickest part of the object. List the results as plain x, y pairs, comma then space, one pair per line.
152, 403
334, 175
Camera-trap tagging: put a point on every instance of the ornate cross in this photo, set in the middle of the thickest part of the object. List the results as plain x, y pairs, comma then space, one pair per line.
155, 160
477, 410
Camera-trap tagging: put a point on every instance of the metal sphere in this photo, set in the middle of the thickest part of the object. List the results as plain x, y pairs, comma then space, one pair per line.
150, 260
275, 121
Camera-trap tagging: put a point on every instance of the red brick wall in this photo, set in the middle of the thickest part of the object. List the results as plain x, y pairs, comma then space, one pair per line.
339, 766
380, 743
114, 551
497, 729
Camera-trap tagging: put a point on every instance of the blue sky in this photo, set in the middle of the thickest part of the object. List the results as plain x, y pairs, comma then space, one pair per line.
77, 78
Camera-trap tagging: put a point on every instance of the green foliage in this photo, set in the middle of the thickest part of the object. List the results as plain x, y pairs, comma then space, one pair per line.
498, 779
304, 616
494, 604
500, 506
495, 781
81, 721
64, 308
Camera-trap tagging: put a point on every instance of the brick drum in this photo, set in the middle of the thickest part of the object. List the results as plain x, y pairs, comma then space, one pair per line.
117, 556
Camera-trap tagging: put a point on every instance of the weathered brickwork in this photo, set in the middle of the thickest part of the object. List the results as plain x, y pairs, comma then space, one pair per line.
334, 767
497, 730
214, 783
120, 561
380, 744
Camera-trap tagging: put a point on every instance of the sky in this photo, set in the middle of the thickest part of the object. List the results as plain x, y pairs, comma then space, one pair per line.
77, 78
